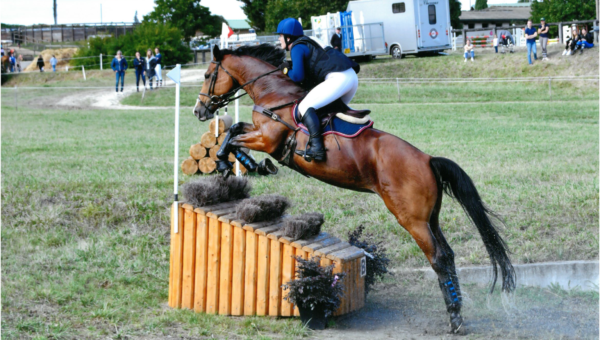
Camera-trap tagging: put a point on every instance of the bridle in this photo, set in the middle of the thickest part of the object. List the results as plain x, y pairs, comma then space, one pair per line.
224, 99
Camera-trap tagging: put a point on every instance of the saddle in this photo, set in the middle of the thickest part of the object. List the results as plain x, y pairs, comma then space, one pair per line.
342, 111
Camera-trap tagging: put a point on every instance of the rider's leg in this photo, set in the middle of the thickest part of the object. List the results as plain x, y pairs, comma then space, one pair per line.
336, 85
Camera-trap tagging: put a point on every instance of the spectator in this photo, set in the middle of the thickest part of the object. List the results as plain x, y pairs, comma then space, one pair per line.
469, 48
571, 43
543, 32
2, 50
138, 65
336, 39
150, 68
19, 60
13, 62
158, 67
586, 40
530, 34
495, 42
53, 63
506, 41
40, 63
119, 65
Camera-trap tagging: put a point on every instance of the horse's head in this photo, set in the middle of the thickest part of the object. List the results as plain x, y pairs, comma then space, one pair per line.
218, 83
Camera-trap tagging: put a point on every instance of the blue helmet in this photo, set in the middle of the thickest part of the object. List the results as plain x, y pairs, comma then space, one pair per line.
290, 26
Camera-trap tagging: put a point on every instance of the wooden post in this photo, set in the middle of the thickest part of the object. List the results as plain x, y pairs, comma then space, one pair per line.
176, 260
287, 275
214, 252
201, 262
238, 279
189, 257
250, 275
51, 35
62, 33
560, 33
226, 268
275, 278
262, 284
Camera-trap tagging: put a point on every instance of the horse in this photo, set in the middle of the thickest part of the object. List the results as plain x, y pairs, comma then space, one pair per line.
5, 61
410, 182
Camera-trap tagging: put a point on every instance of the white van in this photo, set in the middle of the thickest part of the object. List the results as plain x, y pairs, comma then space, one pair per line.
410, 26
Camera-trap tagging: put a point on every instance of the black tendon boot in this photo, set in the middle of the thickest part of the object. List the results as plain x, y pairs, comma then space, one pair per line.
246, 160
226, 149
451, 291
315, 141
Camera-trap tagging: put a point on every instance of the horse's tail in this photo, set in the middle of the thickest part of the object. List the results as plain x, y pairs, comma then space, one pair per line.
458, 185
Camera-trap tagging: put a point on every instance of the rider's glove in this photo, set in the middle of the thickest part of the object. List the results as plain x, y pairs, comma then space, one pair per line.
285, 67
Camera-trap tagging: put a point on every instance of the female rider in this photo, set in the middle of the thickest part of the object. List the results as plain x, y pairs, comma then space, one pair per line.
328, 72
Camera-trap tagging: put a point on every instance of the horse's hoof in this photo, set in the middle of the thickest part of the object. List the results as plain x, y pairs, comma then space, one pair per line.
456, 322
266, 167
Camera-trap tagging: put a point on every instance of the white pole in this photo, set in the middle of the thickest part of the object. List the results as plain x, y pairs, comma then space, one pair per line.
176, 161
237, 119
83, 70
217, 124
100, 61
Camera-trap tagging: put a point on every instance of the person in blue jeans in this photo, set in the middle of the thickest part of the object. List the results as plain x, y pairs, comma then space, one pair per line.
53, 62
530, 35
138, 66
119, 65
586, 40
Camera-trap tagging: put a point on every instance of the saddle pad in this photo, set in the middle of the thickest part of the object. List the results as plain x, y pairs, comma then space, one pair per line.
337, 126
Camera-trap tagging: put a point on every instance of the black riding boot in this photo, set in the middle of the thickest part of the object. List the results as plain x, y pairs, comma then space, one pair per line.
315, 141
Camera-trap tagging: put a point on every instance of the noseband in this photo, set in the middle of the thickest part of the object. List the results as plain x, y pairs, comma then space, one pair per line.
224, 99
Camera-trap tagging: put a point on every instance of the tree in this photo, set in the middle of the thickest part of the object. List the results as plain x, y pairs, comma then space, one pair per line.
278, 10
562, 10
135, 18
255, 11
481, 4
187, 15
455, 13
145, 36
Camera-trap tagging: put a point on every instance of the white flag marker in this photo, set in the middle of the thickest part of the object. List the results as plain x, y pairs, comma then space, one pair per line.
175, 75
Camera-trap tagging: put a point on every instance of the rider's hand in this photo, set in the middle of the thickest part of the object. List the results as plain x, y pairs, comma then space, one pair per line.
285, 66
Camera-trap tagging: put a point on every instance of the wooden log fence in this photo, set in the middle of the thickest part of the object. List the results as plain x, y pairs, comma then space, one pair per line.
221, 265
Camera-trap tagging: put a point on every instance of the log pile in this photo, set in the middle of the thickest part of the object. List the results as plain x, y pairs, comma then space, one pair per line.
204, 154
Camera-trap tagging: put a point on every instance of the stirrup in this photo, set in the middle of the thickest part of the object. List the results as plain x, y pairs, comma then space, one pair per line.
319, 157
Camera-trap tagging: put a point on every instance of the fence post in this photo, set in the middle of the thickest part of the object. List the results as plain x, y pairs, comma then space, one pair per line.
100, 61
560, 33
16, 98
550, 86
83, 70
398, 86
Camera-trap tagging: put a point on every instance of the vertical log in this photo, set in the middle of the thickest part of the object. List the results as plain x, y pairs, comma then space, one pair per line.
250, 275
189, 257
226, 267
262, 284
176, 260
239, 259
201, 263
287, 275
212, 280
275, 278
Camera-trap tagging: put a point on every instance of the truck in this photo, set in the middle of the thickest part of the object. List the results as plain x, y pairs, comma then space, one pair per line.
409, 26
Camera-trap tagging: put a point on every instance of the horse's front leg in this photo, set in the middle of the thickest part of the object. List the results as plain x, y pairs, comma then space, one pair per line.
255, 140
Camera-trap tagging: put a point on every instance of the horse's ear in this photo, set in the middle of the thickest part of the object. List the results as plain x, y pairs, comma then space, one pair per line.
217, 53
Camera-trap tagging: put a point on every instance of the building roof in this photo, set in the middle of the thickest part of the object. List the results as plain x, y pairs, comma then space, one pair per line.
497, 13
238, 24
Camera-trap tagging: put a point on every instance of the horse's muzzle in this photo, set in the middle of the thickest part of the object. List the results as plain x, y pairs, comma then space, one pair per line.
202, 112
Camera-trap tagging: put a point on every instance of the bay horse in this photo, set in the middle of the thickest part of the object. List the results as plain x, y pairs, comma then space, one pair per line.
410, 182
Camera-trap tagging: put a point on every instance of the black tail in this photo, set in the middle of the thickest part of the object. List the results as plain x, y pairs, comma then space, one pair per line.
458, 185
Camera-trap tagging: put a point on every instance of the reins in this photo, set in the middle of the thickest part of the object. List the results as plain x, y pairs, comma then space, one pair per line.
226, 98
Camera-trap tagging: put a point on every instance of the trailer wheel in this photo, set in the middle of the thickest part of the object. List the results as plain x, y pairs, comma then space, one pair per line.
396, 52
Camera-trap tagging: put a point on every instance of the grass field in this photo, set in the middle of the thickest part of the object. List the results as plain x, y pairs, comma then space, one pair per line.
85, 198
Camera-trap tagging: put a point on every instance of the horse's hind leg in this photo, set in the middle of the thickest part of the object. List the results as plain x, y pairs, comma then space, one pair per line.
433, 244
446, 270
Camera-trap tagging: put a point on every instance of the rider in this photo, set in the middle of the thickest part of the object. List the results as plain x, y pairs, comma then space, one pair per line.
328, 72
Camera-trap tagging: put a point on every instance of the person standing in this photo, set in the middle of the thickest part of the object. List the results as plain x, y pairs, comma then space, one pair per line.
158, 67
336, 39
150, 66
469, 49
138, 65
40, 63
586, 40
119, 65
19, 60
530, 34
543, 32
53, 63
495, 42
13, 62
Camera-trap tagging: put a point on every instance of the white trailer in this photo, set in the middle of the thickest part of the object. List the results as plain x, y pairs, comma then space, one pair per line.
410, 26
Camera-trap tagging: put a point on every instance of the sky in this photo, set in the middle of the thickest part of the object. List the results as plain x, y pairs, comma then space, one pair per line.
31, 12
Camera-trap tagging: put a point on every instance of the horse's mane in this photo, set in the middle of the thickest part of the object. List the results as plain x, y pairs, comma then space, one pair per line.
265, 52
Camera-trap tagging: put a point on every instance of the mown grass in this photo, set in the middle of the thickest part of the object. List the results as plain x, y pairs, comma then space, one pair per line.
85, 197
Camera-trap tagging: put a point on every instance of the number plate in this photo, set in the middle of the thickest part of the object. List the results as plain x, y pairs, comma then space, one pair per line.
363, 267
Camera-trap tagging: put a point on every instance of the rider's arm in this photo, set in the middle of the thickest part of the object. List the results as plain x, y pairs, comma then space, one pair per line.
298, 53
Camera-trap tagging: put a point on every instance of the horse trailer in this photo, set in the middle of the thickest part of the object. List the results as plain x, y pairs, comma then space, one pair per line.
410, 26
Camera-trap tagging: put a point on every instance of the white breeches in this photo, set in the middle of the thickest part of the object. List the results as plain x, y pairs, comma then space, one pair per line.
336, 85
158, 70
